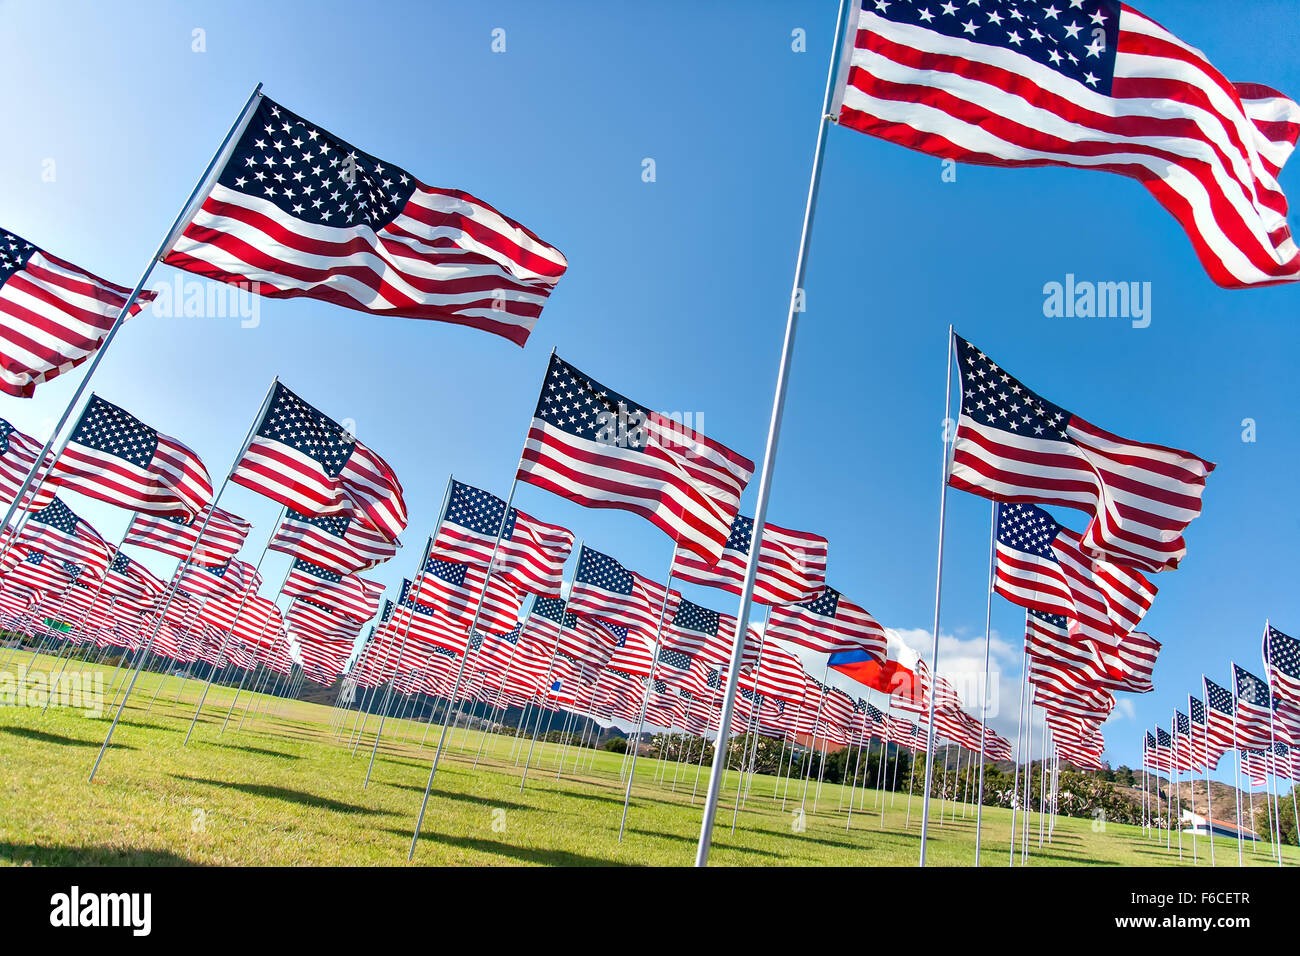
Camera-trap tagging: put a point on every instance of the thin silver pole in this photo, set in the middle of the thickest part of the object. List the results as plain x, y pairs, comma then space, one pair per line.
938, 592
769, 454
984, 709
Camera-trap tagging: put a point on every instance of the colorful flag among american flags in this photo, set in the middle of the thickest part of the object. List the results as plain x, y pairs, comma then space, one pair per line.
791, 564
1013, 445
531, 554
305, 460
113, 456
594, 446
828, 624
223, 535
1096, 85
53, 315
297, 211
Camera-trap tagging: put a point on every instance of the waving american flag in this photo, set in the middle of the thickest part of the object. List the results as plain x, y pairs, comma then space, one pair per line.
342, 542
791, 564
297, 211
1014, 445
223, 535
18, 453
1086, 83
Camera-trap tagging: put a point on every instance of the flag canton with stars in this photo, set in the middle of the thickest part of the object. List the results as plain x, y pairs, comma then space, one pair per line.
1218, 697
387, 611
604, 572
574, 403
72, 570
304, 428
315, 570
993, 398
1151, 740
479, 510
1027, 528
1055, 621
825, 604
1198, 710
742, 535
121, 564
313, 175
14, 253
59, 516
1282, 652
875, 713
1181, 723
1163, 739
1075, 38
453, 572
618, 630
1251, 689
110, 429
692, 617
552, 608
5, 431
674, 659
408, 602
334, 525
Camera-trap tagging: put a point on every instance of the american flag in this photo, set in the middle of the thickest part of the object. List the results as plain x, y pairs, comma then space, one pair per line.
1254, 709
454, 588
305, 460
1014, 445
633, 651
37, 571
113, 456
254, 620
223, 535
414, 620
603, 588
1187, 756
233, 577
828, 623
1041, 565
57, 531
345, 593
594, 446
791, 564
53, 315
1211, 733
132, 582
18, 453
1282, 659
342, 542
308, 619
531, 554
1096, 85
296, 211
779, 673
1127, 666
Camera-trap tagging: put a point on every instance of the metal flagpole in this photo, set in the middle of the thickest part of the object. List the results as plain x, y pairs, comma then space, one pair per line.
866, 715
1236, 751
938, 591
649, 685
1270, 780
984, 709
233, 134
769, 454
817, 719
1020, 751
1178, 793
171, 594
1209, 799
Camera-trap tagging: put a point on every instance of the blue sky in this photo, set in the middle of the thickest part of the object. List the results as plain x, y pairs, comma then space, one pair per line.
676, 290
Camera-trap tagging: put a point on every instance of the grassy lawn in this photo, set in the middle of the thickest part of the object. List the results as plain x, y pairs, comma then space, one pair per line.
285, 789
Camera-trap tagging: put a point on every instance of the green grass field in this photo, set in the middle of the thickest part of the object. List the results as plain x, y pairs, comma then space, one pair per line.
285, 790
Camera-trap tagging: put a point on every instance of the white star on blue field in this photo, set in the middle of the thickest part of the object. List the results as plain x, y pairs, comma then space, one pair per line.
677, 289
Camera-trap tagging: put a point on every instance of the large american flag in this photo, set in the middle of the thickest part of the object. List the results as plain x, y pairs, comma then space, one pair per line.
343, 542
531, 554
1282, 658
1086, 83
18, 453
344, 593
1254, 709
791, 564
453, 589
305, 460
1014, 445
53, 315
828, 623
594, 446
708, 634
223, 535
113, 456
300, 212
1041, 564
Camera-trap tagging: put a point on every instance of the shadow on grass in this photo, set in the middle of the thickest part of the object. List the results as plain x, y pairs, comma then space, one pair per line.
20, 854
526, 854
313, 800
466, 798
48, 738
252, 750
692, 840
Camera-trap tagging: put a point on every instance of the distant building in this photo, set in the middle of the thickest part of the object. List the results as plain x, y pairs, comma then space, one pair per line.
1195, 823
